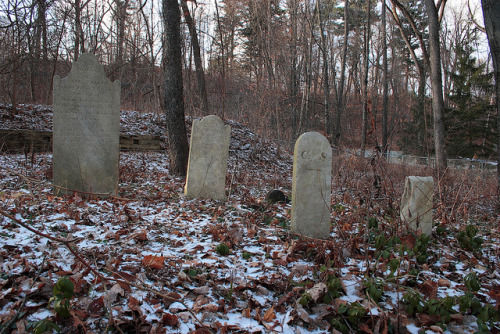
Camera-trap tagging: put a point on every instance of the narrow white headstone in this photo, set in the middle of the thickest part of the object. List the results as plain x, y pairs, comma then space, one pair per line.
208, 154
86, 128
312, 186
416, 203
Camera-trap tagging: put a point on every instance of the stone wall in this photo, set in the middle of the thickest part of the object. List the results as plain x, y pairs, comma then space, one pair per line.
19, 141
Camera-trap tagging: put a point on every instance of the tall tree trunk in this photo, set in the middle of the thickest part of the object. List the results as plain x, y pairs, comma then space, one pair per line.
419, 116
326, 79
223, 60
436, 85
293, 85
200, 76
340, 89
78, 29
365, 82
385, 97
121, 20
491, 13
173, 96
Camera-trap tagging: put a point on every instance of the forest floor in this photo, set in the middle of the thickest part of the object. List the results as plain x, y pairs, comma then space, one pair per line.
148, 260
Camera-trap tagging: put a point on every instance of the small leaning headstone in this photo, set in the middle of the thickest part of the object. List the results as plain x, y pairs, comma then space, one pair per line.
208, 154
416, 203
86, 129
311, 186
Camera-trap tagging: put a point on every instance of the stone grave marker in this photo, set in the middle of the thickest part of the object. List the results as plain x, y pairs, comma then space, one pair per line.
416, 203
311, 186
86, 129
208, 154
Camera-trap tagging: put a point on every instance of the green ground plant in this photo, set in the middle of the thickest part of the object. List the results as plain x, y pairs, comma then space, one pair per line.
469, 240
222, 249
62, 293
349, 316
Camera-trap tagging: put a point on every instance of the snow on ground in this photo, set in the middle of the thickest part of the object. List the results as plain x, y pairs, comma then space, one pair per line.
271, 280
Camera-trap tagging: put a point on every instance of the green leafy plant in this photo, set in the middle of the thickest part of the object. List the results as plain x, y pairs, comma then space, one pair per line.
469, 302
340, 324
246, 255
394, 266
372, 223
488, 314
222, 249
305, 300
374, 289
468, 239
193, 272
283, 223
43, 326
335, 289
354, 312
472, 282
413, 277
414, 302
442, 307
63, 291
421, 248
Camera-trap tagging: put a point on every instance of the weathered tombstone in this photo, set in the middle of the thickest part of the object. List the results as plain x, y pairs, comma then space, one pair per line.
208, 154
416, 203
86, 129
312, 186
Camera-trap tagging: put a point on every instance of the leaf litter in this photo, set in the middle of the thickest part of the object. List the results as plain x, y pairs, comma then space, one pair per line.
162, 249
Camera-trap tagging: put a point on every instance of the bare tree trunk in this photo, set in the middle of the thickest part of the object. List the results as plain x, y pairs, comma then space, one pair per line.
152, 61
200, 76
121, 19
79, 47
365, 82
385, 97
421, 69
173, 89
340, 89
326, 79
436, 85
293, 84
491, 13
223, 67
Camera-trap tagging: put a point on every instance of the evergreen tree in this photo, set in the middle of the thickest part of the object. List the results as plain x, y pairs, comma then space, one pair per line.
470, 121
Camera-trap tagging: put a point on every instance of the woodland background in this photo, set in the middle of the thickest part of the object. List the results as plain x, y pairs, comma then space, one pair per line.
282, 67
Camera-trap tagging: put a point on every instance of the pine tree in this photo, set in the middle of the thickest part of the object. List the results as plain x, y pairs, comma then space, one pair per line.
470, 121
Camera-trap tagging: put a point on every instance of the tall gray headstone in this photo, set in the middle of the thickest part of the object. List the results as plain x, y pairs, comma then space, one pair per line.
208, 154
312, 186
416, 203
86, 129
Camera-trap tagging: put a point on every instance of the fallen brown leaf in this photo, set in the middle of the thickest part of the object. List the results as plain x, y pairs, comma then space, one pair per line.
269, 315
428, 320
246, 313
96, 307
154, 262
429, 288
169, 319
